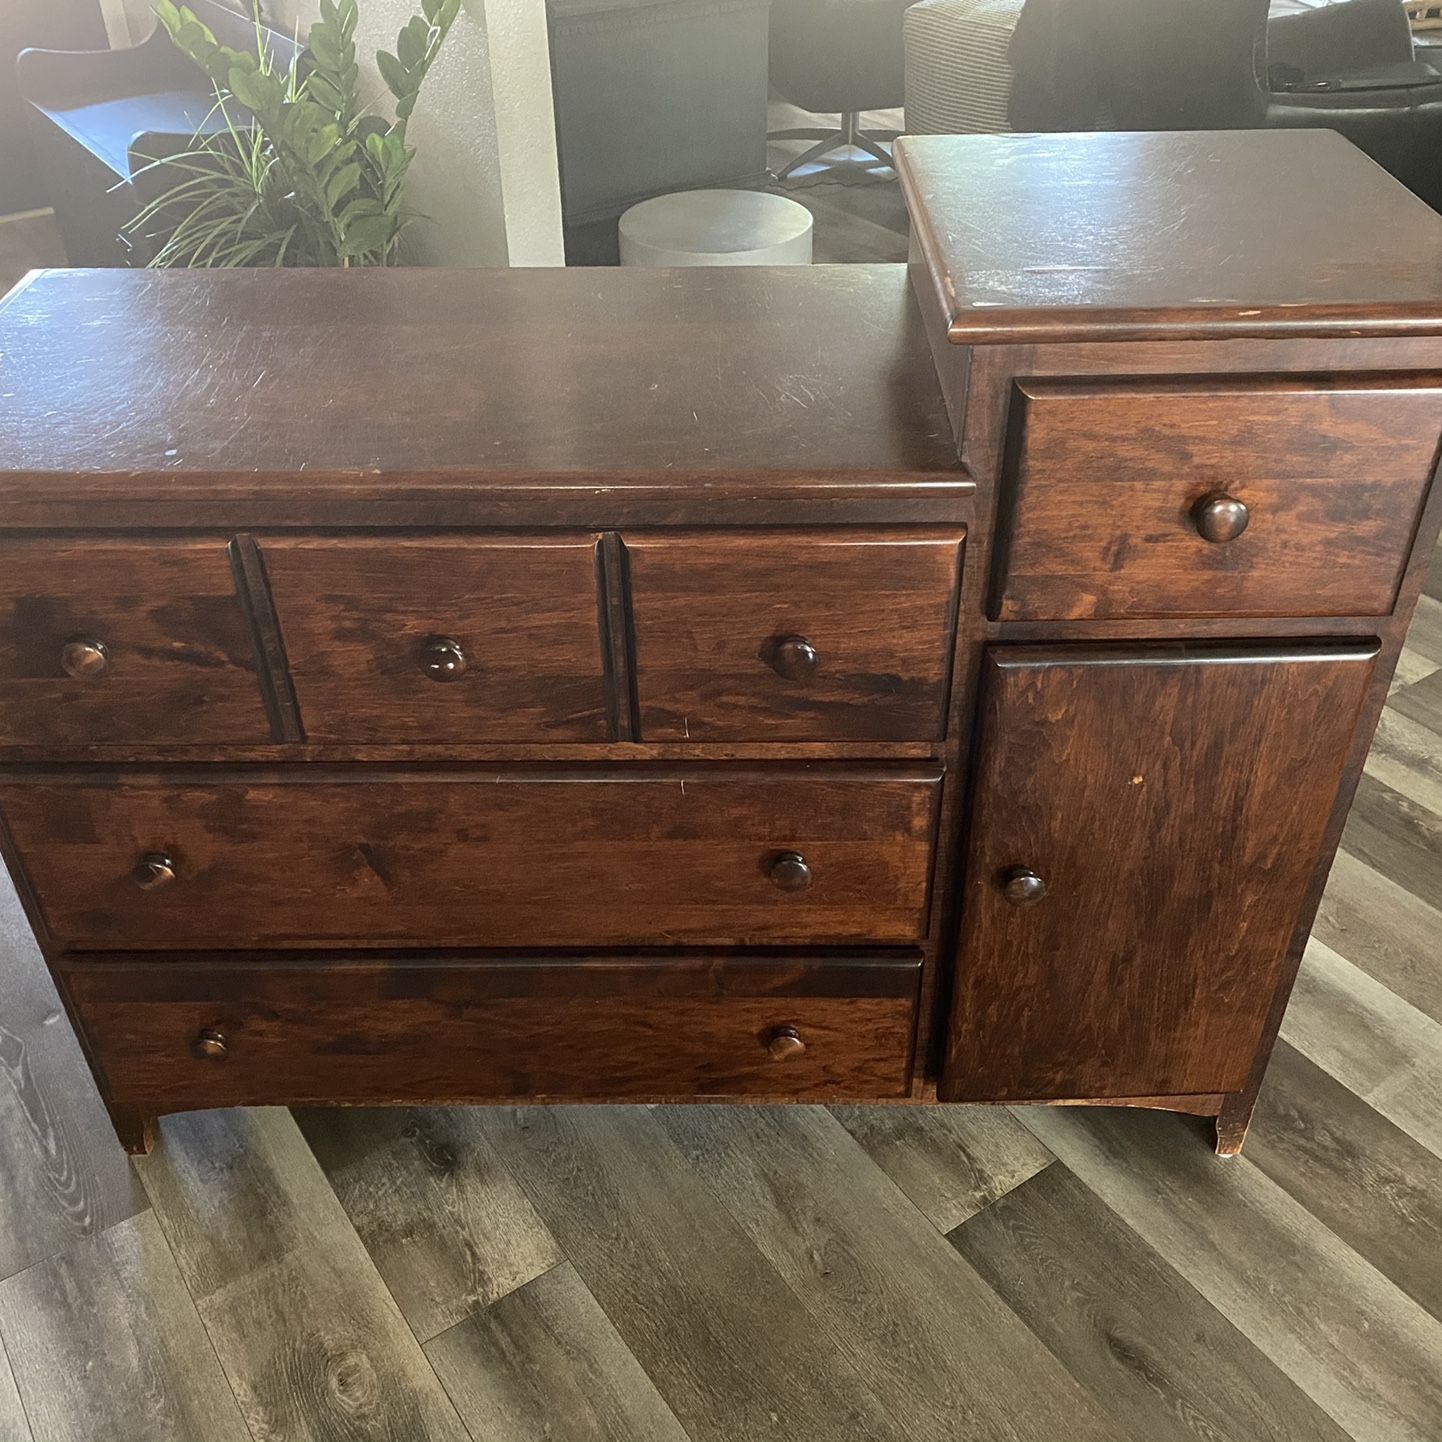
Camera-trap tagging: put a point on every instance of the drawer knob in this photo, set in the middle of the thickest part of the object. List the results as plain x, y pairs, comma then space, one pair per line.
84, 658
795, 658
790, 872
442, 659
784, 1042
209, 1045
155, 869
1220, 518
1022, 886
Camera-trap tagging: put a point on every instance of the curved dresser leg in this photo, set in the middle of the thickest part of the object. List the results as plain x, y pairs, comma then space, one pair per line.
135, 1128
1232, 1123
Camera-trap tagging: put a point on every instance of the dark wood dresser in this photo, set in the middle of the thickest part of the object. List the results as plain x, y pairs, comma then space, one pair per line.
792, 684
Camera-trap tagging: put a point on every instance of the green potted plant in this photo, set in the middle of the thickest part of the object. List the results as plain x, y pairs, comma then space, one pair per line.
301, 173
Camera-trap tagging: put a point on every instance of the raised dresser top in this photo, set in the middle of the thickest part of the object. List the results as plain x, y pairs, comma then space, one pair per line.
1209, 234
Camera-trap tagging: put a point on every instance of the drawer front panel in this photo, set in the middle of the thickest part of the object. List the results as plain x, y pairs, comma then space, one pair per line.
119, 641
794, 637
444, 859
1111, 489
451, 639
226, 1035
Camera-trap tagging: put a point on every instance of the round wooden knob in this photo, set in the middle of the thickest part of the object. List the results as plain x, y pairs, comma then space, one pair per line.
155, 869
209, 1045
795, 658
784, 1042
1022, 886
84, 658
790, 872
442, 659
1220, 518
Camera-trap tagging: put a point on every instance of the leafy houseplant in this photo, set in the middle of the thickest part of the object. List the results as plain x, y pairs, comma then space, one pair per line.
307, 177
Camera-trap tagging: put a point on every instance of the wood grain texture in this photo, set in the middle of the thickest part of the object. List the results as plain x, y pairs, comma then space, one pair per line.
440, 1215
1138, 1336
357, 612
878, 607
951, 1162
1397, 835
1104, 480
469, 397
380, 1032
735, 1353
1363, 1350
1418, 699
1424, 636
13, 1421
1384, 929
1372, 1041
432, 858
1176, 853
1404, 754
180, 661
105, 1342
1163, 236
927, 1336
62, 1177
259, 1236
1372, 1184
546, 1361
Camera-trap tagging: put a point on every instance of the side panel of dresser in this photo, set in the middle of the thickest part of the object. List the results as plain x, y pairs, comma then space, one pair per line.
986, 390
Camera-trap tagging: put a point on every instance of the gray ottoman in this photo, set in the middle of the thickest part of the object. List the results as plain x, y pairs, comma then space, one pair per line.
958, 78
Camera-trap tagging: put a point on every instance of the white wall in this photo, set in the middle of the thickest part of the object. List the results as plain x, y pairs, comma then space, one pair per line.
485, 171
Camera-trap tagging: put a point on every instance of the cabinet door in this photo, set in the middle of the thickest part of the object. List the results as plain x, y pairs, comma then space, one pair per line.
1145, 824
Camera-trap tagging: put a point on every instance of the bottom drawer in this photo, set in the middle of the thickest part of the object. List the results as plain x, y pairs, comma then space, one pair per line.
177, 1035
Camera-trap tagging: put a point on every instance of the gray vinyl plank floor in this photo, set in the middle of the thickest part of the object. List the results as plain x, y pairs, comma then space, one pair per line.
722, 1274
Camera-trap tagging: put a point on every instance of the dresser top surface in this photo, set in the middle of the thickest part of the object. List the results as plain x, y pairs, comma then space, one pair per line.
474, 378
1169, 235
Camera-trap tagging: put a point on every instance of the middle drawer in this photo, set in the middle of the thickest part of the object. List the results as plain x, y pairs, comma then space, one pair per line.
437, 859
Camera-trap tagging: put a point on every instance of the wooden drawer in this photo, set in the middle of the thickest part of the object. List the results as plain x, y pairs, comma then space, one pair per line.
814, 637
124, 641
526, 858
222, 1034
1110, 488
448, 639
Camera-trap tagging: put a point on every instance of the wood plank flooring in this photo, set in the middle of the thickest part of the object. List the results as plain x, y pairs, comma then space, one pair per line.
796, 1275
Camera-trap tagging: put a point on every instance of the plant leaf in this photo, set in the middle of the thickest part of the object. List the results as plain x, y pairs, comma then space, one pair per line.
397, 80
342, 183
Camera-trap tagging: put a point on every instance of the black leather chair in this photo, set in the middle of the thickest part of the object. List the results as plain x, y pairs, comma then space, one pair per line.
838, 57
1181, 65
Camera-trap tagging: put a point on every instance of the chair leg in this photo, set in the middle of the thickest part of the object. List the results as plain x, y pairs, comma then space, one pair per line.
834, 141
847, 135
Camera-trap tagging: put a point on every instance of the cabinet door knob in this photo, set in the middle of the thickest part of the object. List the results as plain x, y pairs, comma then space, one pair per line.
1022, 886
1220, 518
84, 658
795, 658
790, 871
442, 659
209, 1045
784, 1042
155, 869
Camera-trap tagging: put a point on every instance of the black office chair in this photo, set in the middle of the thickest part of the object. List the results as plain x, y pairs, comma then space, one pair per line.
1180, 65
841, 57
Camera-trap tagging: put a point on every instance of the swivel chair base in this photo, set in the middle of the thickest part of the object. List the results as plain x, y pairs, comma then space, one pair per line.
848, 134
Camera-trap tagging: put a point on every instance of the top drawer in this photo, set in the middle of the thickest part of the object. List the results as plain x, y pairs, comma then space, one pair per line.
798, 637
124, 641
444, 639
1212, 498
